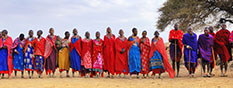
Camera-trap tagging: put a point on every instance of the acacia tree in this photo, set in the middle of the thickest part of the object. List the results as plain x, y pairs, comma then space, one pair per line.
195, 13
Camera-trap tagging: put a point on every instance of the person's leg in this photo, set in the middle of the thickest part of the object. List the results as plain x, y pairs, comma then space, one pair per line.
211, 68
15, 73
203, 67
138, 75
208, 69
193, 69
221, 67
67, 73
178, 68
72, 73
22, 76
226, 66
173, 65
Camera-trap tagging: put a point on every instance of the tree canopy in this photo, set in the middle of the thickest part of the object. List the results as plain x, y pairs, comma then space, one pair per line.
194, 13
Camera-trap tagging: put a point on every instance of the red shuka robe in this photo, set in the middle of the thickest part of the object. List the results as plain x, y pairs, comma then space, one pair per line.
49, 44
221, 41
8, 42
178, 34
145, 50
86, 46
121, 60
39, 47
109, 54
76, 45
160, 47
97, 49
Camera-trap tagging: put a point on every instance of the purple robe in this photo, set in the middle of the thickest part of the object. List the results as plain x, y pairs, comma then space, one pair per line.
205, 44
190, 55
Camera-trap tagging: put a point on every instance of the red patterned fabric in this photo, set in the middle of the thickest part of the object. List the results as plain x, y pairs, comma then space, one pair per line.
39, 46
97, 48
121, 61
109, 54
221, 41
49, 44
160, 47
86, 53
145, 50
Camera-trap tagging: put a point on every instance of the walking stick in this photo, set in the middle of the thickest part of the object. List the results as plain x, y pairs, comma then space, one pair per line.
216, 72
175, 56
201, 66
189, 59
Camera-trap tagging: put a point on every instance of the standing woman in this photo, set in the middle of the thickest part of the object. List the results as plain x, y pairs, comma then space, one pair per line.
87, 55
75, 52
18, 54
50, 53
97, 55
121, 61
39, 48
6, 66
29, 57
145, 50
159, 62
134, 54
64, 55
109, 52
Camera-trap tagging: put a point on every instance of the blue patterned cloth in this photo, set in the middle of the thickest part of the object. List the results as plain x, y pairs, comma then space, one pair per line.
18, 59
39, 61
28, 57
156, 61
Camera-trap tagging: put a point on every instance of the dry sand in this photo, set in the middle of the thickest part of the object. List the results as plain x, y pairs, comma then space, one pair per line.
165, 82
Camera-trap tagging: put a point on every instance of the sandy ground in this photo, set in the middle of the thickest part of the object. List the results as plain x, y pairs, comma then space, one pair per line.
165, 82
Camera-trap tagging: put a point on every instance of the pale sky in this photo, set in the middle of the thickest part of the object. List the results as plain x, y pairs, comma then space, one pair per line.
18, 16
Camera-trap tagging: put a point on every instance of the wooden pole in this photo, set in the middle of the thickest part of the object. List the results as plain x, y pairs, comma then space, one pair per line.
175, 55
216, 72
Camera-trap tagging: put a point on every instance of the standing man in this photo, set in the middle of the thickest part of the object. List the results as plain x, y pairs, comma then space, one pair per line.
50, 53
212, 64
134, 54
222, 48
75, 52
190, 51
109, 52
145, 50
175, 48
121, 61
205, 45
6, 66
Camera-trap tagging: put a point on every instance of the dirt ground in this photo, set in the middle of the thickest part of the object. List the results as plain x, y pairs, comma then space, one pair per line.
165, 82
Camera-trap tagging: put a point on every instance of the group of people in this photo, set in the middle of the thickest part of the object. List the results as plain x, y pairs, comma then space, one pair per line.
116, 56
207, 47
